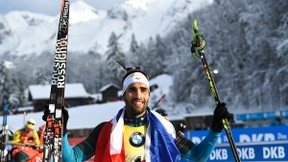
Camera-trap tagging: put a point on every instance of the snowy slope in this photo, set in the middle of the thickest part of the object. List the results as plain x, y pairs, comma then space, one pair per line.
30, 33
25, 32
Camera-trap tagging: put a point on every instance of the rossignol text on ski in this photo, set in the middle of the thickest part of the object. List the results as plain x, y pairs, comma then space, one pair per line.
54, 129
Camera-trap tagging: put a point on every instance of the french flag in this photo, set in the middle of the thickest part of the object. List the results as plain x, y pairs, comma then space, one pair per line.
159, 143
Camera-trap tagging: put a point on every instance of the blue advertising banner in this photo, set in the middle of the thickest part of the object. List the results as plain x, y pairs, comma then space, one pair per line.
261, 115
241, 135
256, 151
253, 144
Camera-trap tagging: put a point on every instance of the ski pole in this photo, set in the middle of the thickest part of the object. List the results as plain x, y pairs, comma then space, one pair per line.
24, 116
123, 66
197, 45
4, 132
158, 101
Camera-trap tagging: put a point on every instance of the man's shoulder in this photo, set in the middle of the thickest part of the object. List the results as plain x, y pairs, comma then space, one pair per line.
101, 125
98, 128
18, 131
93, 136
35, 132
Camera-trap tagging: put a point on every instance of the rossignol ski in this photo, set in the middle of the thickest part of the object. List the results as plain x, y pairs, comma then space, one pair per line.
4, 132
54, 129
199, 46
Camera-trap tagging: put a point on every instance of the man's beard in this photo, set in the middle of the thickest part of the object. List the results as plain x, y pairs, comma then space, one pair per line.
135, 111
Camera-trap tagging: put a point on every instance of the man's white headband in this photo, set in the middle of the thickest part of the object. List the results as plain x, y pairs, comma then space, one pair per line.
134, 77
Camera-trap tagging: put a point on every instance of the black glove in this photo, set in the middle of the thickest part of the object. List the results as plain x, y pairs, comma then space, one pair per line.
181, 127
64, 114
220, 113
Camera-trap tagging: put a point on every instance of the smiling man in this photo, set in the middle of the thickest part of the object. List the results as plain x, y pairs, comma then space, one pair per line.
138, 134
136, 94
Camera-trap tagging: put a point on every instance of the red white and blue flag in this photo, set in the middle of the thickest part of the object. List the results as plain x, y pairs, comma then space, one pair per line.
159, 142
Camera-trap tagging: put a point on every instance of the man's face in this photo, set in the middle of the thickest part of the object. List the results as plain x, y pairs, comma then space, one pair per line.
136, 99
27, 130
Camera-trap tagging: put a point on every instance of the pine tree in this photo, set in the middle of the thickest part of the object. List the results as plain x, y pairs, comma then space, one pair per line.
40, 78
11, 87
133, 45
143, 58
17, 96
159, 60
281, 76
112, 72
133, 52
149, 58
4, 84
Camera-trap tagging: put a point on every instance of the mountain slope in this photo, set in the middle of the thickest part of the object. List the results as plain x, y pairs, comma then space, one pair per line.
25, 33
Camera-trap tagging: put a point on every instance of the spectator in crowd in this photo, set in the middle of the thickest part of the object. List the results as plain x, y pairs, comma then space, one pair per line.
163, 113
277, 121
33, 148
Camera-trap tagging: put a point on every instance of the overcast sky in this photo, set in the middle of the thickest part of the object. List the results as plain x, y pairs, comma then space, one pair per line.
50, 7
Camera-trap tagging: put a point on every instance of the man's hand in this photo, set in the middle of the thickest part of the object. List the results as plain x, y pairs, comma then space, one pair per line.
181, 127
220, 112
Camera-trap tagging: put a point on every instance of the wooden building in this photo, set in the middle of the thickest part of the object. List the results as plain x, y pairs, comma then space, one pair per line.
75, 94
110, 92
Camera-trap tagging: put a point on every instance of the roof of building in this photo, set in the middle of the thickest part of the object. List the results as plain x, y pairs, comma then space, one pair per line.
74, 90
107, 86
